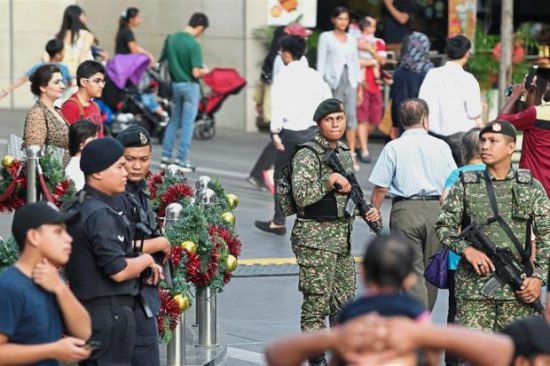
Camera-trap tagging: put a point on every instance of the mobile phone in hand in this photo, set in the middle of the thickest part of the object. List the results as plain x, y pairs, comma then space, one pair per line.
92, 345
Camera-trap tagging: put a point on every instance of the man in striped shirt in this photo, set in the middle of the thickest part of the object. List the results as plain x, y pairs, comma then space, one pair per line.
413, 168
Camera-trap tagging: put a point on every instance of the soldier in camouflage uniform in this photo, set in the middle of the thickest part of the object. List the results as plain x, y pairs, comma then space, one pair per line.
519, 198
321, 233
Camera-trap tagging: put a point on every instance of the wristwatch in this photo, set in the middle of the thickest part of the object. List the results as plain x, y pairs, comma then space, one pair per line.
540, 277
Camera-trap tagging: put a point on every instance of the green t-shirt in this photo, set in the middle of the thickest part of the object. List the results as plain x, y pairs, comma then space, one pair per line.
183, 53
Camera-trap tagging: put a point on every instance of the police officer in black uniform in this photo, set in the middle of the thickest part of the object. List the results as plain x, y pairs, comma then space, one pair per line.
146, 235
103, 269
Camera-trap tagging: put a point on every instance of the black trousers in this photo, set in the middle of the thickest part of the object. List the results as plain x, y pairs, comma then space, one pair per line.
265, 161
115, 327
291, 139
146, 349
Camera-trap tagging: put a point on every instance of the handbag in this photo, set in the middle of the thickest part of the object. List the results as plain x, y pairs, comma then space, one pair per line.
436, 270
165, 78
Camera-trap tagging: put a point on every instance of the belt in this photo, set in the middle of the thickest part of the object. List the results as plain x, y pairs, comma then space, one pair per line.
415, 198
120, 300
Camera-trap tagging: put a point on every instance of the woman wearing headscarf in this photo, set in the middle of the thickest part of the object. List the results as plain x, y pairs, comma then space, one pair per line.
411, 71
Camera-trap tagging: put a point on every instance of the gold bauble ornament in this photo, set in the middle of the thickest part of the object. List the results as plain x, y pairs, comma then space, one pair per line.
233, 200
183, 302
7, 161
229, 218
189, 247
231, 263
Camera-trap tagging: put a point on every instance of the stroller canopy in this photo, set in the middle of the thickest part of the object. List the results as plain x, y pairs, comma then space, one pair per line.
224, 81
122, 68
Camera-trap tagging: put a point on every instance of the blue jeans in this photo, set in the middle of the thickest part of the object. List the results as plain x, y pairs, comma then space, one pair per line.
185, 105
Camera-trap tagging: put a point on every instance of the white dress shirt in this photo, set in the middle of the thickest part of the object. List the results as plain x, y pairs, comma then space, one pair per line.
296, 93
414, 164
333, 55
453, 97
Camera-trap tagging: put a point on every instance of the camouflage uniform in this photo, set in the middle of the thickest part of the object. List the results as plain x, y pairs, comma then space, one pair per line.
518, 197
322, 248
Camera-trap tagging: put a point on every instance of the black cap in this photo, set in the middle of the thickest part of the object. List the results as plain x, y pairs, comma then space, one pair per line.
328, 106
134, 136
34, 215
531, 336
500, 126
100, 154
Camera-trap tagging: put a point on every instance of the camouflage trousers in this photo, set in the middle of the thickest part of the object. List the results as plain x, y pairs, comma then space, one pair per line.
490, 315
327, 282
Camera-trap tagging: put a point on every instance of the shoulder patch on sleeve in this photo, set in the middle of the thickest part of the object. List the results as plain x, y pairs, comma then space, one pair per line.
524, 176
470, 177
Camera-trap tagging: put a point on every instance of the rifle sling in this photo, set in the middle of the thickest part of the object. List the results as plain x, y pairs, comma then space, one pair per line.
504, 225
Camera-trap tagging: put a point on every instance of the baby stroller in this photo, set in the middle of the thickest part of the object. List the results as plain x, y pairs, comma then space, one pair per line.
128, 80
218, 84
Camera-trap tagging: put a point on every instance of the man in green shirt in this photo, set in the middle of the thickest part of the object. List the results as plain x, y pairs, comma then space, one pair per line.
184, 56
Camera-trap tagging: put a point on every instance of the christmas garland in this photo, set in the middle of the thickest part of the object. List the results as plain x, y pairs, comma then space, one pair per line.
205, 246
9, 251
54, 184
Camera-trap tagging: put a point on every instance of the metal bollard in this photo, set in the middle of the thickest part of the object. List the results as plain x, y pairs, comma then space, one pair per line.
206, 300
176, 346
206, 317
32, 153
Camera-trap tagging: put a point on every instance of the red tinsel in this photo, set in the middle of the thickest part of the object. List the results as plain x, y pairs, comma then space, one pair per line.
169, 310
173, 194
195, 273
233, 243
227, 277
16, 198
176, 254
153, 182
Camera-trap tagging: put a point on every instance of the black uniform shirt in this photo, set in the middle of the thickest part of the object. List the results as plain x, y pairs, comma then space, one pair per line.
137, 208
101, 244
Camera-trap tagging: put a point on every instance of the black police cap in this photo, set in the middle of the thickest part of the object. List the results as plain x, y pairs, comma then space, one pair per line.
328, 106
134, 136
34, 215
100, 154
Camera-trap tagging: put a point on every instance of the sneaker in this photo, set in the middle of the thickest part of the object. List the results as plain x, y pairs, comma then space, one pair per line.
164, 162
365, 159
185, 167
256, 183
266, 226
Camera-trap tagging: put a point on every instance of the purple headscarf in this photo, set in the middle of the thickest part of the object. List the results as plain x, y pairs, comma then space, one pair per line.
415, 53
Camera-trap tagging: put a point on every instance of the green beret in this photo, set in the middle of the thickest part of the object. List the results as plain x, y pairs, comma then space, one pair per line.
328, 106
500, 126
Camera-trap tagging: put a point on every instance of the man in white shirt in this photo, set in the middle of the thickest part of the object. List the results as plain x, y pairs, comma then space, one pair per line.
452, 94
296, 92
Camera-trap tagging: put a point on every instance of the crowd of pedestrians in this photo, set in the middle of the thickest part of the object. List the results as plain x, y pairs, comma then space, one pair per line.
449, 174
106, 300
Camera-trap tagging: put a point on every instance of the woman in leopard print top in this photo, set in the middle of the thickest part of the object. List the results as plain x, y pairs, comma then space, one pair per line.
44, 124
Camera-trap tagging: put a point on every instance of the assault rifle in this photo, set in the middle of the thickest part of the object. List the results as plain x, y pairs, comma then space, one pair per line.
356, 197
508, 270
